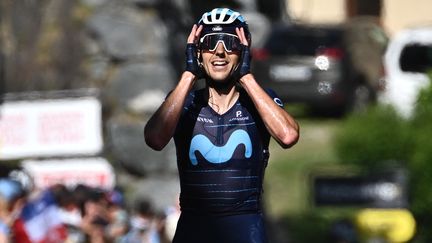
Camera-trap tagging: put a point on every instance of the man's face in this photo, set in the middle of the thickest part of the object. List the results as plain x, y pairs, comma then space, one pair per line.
219, 63
220, 54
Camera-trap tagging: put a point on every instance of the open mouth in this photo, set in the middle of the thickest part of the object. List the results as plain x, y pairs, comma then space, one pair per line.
219, 63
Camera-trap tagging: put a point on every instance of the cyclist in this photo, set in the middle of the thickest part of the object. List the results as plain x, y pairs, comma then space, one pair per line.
221, 133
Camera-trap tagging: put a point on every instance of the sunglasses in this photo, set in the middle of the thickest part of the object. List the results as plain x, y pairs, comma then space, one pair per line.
230, 42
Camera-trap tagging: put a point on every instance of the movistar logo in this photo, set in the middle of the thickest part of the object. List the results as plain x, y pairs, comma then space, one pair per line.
215, 154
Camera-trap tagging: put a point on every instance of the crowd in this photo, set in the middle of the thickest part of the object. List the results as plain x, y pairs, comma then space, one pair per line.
80, 214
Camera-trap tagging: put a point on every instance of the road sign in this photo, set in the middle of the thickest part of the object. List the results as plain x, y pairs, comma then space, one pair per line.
385, 190
50, 127
94, 172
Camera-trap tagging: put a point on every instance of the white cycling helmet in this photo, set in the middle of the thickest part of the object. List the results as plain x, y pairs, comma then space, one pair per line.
223, 20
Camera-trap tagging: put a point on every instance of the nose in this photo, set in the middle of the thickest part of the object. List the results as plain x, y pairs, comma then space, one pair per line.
220, 47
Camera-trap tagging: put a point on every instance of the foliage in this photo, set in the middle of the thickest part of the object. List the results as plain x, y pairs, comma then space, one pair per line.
420, 165
373, 138
300, 228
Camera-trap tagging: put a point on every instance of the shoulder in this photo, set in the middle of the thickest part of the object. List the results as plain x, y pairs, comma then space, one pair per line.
274, 96
194, 98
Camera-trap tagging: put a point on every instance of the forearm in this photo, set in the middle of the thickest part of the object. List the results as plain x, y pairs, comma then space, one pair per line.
161, 126
280, 124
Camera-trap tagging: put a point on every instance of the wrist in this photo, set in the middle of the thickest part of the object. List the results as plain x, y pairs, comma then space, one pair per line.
248, 78
188, 76
192, 59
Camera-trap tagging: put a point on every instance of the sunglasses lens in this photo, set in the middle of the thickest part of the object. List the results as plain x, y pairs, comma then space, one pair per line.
230, 42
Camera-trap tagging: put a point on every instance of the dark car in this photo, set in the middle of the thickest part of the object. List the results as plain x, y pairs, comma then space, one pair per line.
316, 65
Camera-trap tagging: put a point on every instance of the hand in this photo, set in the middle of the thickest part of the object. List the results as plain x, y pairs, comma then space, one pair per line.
245, 56
192, 52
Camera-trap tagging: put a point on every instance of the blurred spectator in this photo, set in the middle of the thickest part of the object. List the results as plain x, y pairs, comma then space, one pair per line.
145, 225
10, 192
172, 216
4, 220
94, 215
78, 215
40, 220
69, 213
117, 215
24, 179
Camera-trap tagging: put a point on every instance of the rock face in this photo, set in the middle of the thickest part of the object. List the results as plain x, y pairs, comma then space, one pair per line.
127, 33
131, 50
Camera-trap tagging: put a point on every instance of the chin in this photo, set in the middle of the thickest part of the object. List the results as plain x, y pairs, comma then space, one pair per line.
221, 83
219, 77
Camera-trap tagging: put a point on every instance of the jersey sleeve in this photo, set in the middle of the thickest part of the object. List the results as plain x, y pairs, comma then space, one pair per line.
275, 97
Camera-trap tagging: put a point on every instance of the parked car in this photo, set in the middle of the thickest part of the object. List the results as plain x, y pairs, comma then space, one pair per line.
407, 60
321, 66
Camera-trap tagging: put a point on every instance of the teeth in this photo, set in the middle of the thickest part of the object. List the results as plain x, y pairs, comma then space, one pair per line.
219, 63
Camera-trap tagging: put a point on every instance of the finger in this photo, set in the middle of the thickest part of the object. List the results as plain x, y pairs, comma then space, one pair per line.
191, 37
242, 36
198, 31
238, 33
245, 40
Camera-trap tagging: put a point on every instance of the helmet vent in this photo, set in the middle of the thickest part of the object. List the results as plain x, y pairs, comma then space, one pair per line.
226, 18
220, 16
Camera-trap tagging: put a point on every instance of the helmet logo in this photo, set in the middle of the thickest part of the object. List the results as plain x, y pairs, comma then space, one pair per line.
217, 28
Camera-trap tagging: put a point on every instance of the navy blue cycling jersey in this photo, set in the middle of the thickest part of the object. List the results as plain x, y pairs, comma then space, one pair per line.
221, 158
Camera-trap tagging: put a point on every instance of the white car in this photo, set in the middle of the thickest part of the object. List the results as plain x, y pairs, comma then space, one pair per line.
407, 60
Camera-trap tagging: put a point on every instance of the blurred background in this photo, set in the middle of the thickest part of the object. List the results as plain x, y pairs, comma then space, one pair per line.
79, 79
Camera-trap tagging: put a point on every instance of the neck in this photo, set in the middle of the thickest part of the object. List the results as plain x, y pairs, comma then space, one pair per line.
221, 100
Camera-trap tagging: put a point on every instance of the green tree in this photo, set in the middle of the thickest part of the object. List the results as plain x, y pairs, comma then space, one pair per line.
373, 139
370, 140
420, 165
